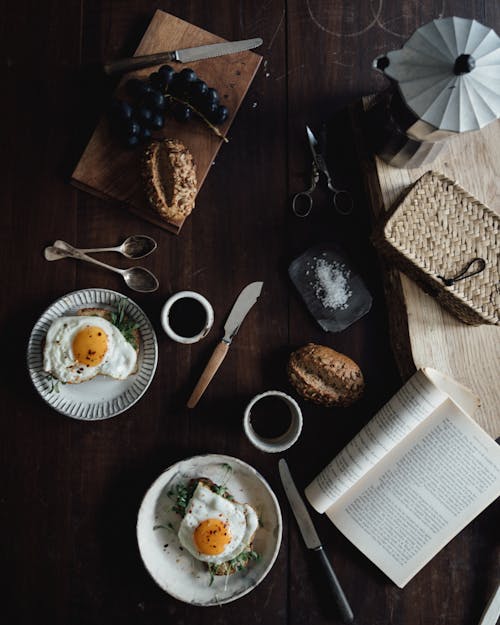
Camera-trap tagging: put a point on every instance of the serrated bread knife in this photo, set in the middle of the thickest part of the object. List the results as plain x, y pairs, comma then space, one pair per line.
312, 540
246, 299
186, 55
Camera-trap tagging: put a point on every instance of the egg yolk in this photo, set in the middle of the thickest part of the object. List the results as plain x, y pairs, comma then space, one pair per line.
90, 345
211, 537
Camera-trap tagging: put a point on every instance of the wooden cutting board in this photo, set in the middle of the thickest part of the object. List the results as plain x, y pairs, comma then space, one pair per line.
107, 170
422, 332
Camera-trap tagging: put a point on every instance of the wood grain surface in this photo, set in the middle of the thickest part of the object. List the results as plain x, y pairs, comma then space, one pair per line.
71, 490
423, 333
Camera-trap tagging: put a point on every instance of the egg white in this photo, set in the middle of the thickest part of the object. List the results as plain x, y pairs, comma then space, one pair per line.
241, 520
58, 359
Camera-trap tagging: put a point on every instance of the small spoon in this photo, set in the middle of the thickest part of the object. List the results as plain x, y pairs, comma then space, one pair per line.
137, 246
137, 278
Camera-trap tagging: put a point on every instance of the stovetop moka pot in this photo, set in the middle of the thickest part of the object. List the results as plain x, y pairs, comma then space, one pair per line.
445, 80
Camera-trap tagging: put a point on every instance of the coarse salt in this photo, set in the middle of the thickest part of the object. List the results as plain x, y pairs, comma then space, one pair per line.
331, 284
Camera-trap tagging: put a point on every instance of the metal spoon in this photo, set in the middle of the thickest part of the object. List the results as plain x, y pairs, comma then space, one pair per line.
137, 278
137, 246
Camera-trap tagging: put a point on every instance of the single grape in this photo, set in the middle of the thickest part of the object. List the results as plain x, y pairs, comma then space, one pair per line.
144, 114
143, 89
212, 96
167, 73
197, 90
145, 134
209, 110
157, 81
131, 128
131, 142
188, 75
120, 110
220, 115
155, 101
177, 86
157, 122
181, 112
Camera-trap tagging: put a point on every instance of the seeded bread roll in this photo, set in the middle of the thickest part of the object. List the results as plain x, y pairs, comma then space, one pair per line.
169, 175
324, 376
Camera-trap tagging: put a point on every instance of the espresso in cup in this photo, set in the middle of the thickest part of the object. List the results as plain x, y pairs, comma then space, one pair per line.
272, 421
187, 317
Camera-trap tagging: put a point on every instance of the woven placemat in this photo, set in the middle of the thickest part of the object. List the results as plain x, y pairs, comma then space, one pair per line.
434, 234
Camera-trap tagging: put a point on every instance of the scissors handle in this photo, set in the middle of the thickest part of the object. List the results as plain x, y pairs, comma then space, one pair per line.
302, 203
342, 201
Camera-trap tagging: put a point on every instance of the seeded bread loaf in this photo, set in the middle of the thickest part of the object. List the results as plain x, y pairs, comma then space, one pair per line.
169, 175
324, 376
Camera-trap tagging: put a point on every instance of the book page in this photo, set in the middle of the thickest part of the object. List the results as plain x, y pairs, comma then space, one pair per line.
413, 403
421, 494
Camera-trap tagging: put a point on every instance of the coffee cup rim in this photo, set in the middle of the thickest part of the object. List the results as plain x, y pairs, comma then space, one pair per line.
166, 310
283, 441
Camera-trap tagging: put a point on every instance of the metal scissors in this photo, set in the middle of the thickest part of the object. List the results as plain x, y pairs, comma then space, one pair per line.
302, 202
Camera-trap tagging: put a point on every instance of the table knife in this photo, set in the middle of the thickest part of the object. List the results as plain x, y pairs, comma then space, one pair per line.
312, 540
246, 299
186, 55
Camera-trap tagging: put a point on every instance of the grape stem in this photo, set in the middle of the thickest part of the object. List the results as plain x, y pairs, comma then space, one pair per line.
209, 124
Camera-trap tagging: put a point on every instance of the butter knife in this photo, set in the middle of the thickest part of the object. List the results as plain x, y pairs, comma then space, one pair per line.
186, 55
312, 540
246, 299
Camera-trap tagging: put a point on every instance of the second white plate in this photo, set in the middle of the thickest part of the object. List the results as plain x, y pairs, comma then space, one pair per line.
175, 570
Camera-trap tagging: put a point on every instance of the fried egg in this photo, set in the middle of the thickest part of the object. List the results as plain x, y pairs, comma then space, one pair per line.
79, 348
215, 529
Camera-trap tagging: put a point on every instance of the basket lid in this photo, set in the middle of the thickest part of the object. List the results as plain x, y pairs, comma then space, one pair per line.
448, 73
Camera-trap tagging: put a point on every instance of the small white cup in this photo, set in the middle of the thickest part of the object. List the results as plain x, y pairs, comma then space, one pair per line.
283, 441
165, 322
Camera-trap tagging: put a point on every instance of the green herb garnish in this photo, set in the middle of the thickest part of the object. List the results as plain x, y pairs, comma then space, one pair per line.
168, 526
54, 384
182, 495
126, 326
211, 570
238, 563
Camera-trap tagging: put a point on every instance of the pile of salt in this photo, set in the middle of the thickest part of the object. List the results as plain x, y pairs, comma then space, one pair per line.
331, 283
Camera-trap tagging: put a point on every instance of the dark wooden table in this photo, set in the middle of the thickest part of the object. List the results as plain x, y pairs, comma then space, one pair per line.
71, 490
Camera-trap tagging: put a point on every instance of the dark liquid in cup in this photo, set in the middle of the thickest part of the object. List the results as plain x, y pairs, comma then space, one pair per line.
187, 317
270, 417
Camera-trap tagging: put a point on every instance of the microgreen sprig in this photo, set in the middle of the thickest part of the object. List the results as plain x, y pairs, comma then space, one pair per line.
124, 324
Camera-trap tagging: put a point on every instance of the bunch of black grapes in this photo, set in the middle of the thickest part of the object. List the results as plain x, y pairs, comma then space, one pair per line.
180, 94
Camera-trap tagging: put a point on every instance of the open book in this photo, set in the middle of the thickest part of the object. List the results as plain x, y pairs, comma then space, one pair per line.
413, 477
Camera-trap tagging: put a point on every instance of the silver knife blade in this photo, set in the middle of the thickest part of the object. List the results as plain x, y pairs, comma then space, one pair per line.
187, 55
298, 506
244, 302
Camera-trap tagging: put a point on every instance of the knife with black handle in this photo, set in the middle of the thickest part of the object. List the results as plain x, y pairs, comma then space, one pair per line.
312, 540
186, 55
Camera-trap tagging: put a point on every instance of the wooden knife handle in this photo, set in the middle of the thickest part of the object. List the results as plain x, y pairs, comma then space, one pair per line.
210, 370
138, 62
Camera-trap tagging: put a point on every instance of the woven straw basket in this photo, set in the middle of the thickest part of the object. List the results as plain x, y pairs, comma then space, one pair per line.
437, 230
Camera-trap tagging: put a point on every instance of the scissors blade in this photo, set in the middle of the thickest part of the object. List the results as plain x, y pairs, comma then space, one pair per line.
313, 142
319, 160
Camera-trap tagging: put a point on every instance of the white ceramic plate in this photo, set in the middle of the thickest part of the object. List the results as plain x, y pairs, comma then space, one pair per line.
172, 567
101, 397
